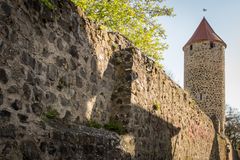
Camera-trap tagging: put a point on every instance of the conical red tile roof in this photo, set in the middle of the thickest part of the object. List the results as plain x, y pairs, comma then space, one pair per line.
204, 32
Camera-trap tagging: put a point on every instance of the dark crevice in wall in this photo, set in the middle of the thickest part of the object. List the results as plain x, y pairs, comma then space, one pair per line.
215, 155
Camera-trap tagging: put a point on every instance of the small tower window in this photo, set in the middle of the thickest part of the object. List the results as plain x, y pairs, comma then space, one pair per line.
191, 47
201, 97
212, 45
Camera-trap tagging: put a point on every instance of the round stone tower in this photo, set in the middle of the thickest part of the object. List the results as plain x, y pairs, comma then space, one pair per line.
204, 72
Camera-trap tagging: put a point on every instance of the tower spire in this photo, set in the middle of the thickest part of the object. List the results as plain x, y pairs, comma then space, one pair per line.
204, 32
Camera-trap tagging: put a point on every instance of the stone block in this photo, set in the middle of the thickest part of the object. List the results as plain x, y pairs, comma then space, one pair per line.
52, 72
37, 108
5, 115
16, 105
3, 76
8, 131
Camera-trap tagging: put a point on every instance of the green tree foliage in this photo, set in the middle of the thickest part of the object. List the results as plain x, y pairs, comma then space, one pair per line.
232, 125
48, 3
136, 19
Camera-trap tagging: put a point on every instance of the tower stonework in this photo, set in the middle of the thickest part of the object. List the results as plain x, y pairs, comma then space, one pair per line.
204, 72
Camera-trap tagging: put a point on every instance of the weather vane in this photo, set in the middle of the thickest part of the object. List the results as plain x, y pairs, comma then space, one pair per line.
204, 11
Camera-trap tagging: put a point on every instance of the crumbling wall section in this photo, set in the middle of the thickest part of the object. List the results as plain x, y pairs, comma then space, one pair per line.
162, 116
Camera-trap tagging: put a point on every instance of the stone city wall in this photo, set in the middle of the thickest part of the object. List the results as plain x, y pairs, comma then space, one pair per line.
59, 71
163, 117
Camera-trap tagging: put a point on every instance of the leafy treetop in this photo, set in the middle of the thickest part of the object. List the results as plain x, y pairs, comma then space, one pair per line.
135, 19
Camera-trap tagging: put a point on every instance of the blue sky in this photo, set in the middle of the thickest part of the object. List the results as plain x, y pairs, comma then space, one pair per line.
223, 16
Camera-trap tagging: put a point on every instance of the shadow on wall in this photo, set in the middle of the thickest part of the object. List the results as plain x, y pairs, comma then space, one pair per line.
151, 135
215, 155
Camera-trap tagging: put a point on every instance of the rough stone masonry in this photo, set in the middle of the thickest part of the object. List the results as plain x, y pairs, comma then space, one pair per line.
58, 71
204, 72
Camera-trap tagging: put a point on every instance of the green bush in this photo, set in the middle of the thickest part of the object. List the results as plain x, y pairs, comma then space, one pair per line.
115, 126
94, 124
51, 113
